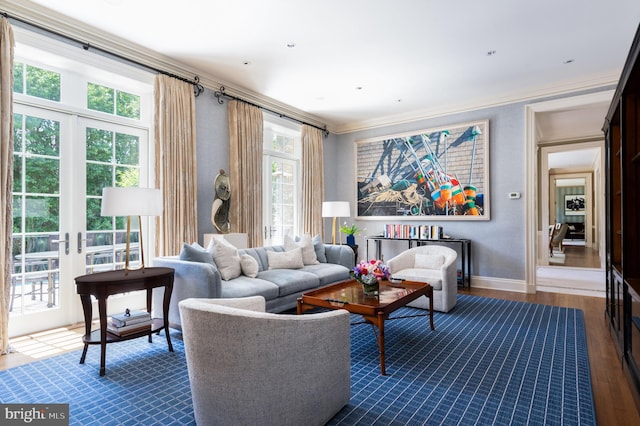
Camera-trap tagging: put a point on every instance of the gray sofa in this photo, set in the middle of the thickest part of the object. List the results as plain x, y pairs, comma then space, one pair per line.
280, 287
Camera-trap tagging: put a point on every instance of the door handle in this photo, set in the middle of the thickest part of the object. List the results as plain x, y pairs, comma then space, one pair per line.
80, 240
65, 241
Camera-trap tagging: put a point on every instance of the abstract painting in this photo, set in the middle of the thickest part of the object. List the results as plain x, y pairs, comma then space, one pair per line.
440, 173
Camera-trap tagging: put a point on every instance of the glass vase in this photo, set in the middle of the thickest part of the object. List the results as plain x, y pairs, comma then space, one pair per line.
370, 286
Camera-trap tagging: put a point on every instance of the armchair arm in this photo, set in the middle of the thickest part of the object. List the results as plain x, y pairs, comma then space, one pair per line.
404, 260
449, 281
251, 303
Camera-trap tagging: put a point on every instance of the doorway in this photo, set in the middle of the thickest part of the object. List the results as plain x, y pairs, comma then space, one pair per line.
560, 134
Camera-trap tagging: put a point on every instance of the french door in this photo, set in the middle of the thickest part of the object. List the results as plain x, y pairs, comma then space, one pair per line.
61, 163
280, 202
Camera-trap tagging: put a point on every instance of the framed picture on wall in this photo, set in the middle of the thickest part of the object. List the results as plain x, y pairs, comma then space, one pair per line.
440, 173
574, 205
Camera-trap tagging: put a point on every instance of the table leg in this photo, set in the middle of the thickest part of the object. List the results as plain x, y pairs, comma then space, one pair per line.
430, 294
383, 369
86, 308
468, 244
149, 298
102, 310
165, 313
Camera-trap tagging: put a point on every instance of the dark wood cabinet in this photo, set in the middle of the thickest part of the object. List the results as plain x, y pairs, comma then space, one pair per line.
622, 134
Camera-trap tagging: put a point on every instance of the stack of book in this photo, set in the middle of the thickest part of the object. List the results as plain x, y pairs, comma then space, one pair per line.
129, 322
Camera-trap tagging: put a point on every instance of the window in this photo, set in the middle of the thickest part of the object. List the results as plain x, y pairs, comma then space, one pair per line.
112, 101
35, 81
282, 155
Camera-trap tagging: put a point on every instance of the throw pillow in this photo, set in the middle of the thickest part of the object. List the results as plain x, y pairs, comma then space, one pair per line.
226, 257
308, 252
318, 246
249, 266
195, 253
291, 259
428, 261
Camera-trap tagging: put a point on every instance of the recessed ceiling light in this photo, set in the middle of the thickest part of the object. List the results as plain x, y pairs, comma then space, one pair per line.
358, 87
246, 63
398, 100
491, 52
291, 45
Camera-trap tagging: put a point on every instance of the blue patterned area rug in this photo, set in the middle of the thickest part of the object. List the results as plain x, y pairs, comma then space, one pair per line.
488, 362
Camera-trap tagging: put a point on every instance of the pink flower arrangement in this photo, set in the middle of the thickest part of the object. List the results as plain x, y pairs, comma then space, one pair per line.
366, 272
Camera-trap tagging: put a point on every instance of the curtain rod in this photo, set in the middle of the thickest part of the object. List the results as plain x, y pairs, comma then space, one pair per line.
197, 86
221, 94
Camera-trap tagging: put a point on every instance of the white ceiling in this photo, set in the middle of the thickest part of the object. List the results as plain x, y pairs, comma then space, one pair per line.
582, 159
364, 63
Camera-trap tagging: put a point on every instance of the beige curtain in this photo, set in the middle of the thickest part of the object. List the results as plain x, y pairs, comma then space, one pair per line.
175, 134
312, 181
245, 159
6, 174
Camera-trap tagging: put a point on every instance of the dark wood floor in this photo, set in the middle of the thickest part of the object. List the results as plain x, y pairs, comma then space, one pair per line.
614, 400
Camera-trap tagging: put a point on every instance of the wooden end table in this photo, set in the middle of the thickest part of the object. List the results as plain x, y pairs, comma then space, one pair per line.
350, 296
101, 285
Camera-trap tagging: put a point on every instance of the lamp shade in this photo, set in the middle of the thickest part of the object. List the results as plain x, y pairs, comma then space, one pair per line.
132, 201
336, 209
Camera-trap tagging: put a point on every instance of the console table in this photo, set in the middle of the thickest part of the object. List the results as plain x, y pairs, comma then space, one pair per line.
465, 250
101, 285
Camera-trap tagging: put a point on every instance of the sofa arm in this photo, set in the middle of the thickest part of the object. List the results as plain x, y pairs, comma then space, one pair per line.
191, 280
340, 255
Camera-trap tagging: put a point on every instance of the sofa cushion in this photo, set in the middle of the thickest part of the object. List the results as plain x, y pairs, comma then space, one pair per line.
428, 261
195, 253
433, 277
245, 287
249, 265
290, 281
259, 254
328, 272
291, 259
305, 244
225, 255
318, 246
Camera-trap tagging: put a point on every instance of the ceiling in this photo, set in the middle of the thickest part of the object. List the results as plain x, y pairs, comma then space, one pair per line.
356, 64
364, 63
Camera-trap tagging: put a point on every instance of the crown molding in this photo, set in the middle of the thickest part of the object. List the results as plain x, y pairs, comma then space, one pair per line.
49, 20
596, 82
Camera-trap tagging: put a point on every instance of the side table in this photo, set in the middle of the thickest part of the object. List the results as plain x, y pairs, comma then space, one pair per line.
101, 285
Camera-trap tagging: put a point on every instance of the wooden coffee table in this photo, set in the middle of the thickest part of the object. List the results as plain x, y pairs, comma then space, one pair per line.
375, 310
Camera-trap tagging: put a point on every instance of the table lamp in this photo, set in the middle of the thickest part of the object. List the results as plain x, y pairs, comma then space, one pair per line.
131, 201
335, 209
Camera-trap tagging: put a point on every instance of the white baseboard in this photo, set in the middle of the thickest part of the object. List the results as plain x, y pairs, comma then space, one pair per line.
504, 284
565, 286
576, 291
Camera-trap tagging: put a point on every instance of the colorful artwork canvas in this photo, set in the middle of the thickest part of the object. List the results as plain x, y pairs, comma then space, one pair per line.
440, 173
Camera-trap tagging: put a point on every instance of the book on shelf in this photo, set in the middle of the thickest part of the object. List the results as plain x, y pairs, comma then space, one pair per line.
129, 329
412, 232
130, 318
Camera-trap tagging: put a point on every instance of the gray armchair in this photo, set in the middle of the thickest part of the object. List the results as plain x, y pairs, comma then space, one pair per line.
248, 367
431, 264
